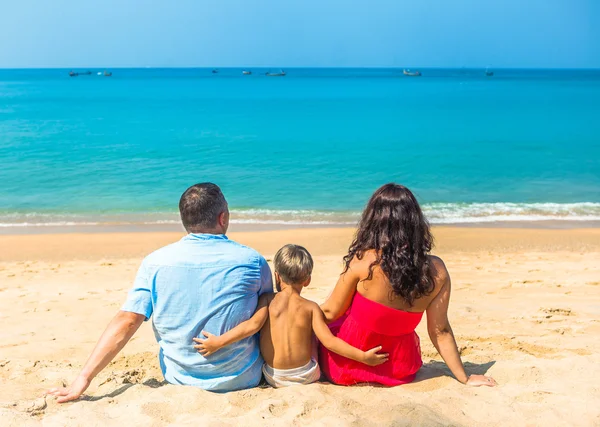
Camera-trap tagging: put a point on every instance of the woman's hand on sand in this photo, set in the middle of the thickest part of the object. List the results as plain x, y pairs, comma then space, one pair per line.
73, 392
208, 345
481, 380
373, 358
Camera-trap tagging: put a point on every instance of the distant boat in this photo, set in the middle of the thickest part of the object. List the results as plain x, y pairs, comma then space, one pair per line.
107, 73
488, 72
412, 73
246, 73
215, 71
281, 73
74, 74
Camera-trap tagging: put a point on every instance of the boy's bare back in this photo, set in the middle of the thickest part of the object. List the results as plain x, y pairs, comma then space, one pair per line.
286, 339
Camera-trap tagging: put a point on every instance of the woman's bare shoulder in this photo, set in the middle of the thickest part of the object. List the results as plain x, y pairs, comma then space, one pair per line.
361, 265
439, 272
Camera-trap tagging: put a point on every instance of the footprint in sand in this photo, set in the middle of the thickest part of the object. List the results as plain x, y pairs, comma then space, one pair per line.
511, 344
278, 408
558, 311
35, 407
131, 376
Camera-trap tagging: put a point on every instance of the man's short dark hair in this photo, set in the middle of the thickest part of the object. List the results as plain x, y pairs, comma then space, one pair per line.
200, 206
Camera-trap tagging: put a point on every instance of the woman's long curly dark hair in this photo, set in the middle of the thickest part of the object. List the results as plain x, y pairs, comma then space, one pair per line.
394, 227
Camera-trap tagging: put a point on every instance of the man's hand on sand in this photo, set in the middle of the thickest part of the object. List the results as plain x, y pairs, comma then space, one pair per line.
479, 380
73, 392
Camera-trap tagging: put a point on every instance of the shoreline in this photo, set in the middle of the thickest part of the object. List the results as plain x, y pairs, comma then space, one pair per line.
489, 215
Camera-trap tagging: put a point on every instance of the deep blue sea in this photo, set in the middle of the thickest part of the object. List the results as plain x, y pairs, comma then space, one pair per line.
310, 147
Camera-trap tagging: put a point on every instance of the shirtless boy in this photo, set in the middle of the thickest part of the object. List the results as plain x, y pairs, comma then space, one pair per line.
286, 322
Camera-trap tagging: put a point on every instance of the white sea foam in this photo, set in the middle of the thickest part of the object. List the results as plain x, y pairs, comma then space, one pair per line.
47, 224
437, 213
453, 213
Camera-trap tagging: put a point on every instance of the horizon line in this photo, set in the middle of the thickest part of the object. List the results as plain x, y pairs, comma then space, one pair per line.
304, 67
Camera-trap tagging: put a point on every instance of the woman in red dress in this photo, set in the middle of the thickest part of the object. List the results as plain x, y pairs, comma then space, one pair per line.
389, 281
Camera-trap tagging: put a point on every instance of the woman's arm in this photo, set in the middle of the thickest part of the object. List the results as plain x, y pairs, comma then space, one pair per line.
341, 297
440, 331
333, 343
213, 343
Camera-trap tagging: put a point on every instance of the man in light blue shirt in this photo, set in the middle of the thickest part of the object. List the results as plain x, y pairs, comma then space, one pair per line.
202, 282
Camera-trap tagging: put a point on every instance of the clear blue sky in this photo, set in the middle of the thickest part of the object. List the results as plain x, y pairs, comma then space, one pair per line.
295, 33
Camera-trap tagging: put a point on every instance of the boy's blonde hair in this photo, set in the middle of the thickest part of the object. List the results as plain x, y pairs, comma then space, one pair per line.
294, 264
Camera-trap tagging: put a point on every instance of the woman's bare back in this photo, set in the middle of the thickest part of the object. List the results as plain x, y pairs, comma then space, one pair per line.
378, 288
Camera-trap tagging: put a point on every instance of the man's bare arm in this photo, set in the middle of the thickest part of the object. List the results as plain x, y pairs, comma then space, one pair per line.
118, 332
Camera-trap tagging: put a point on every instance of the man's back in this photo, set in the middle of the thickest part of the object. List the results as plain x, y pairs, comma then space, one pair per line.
203, 282
286, 338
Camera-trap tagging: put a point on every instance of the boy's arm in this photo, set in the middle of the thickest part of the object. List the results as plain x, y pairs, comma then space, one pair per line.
213, 343
332, 343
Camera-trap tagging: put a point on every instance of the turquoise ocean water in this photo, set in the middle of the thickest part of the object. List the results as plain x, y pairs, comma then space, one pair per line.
310, 147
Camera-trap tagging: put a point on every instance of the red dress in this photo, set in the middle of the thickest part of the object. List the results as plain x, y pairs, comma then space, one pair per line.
368, 324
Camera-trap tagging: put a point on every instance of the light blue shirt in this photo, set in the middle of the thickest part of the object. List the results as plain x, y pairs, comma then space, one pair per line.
203, 282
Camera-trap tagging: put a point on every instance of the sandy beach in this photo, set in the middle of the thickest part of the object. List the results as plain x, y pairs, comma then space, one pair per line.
524, 309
